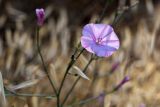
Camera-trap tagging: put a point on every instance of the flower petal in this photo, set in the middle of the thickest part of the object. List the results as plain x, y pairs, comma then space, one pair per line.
111, 40
102, 50
101, 30
96, 31
88, 31
86, 43
40, 16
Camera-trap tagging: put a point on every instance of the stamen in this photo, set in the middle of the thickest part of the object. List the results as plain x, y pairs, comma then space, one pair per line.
98, 40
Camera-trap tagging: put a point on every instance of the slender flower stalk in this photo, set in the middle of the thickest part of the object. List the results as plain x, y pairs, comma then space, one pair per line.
72, 61
111, 71
125, 80
74, 84
47, 96
61, 85
40, 19
101, 96
103, 13
118, 16
43, 63
101, 99
114, 67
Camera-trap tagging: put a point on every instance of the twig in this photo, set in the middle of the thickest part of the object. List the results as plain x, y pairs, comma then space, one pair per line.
43, 63
73, 60
13, 93
71, 89
89, 99
119, 16
99, 20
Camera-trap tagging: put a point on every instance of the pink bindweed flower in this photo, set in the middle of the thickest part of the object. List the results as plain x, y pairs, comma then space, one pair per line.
99, 39
40, 16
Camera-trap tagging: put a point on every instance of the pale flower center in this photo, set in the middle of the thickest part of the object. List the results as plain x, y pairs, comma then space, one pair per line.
98, 41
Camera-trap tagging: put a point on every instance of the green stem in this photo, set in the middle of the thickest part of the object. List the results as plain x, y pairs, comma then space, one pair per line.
13, 93
118, 16
101, 17
73, 60
89, 99
67, 70
44, 66
31, 95
66, 97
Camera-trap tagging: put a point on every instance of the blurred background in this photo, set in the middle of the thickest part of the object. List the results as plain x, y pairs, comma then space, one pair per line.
138, 56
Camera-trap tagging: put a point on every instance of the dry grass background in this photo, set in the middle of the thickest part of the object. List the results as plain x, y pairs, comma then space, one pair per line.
138, 55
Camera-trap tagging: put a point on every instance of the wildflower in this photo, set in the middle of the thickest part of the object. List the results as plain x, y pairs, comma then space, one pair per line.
125, 80
40, 16
99, 39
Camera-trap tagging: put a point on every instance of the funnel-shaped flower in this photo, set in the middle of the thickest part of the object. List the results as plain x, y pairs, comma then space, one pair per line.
40, 16
99, 39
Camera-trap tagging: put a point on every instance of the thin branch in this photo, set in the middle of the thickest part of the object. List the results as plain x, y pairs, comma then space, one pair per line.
89, 99
13, 93
101, 17
73, 60
74, 84
43, 63
118, 16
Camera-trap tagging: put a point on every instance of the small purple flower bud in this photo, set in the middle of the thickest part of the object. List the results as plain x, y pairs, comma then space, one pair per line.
101, 99
114, 67
125, 80
40, 16
142, 105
